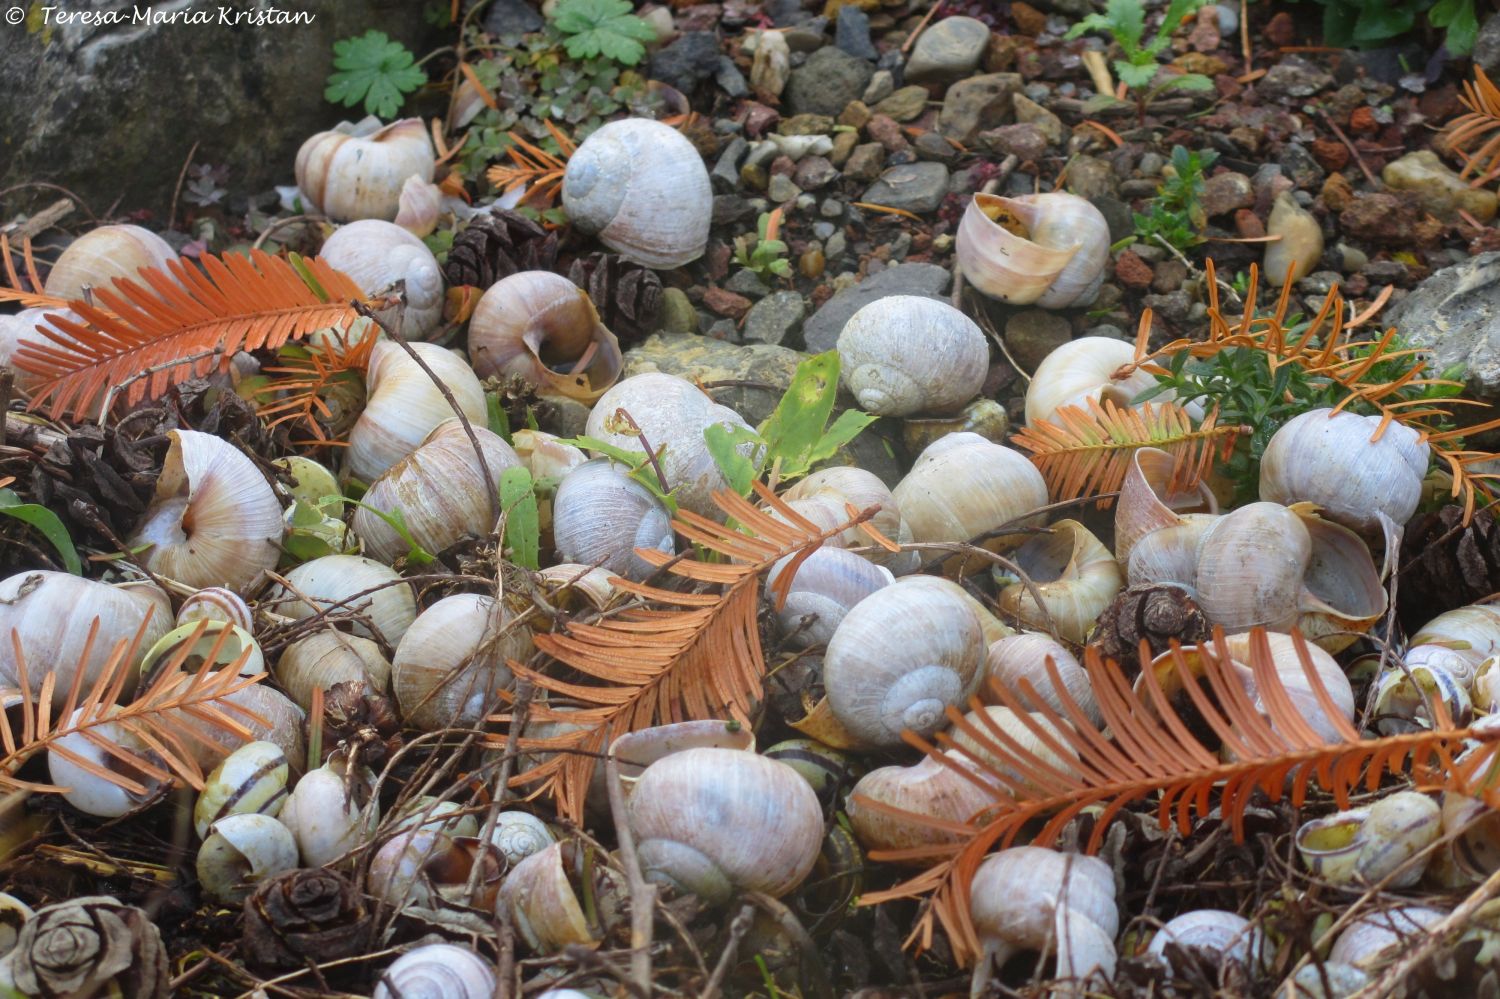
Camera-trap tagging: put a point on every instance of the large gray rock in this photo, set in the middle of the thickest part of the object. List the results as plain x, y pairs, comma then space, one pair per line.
911, 187
1455, 314
821, 332
827, 82
110, 111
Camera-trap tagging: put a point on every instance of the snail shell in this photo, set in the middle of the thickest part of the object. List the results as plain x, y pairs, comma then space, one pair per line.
253, 778
1148, 503
450, 665
357, 171
518, 835
332, 584
211, 649
378, 254
544, 905
1075, 575
928, 788
330, 811
1024, 656
1227, 936
87, 791
899, 659
419, 205
404, 405
542, 327
25, 329
330, 657
641, 187
601, 515
1475, 853
1473, 632
239, 852
827, 584
1250, 566
992, 731
96, 258
252, 706
1373, 937
214, 603
1366, 845
635, 751
1403, 699
425, 810
1039, 249
963, 486
427, 868
437, 971
1083, 369
215, 520
827, 770
906, 354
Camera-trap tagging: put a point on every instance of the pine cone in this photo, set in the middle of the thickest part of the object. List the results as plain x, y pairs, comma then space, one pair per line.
1155, 612
498, 245
627, 295
1446, 565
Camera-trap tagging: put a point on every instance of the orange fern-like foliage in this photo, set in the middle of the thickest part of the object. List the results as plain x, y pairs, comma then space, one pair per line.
142, 336
13, 292
297, 389
1086, 451
689, 656
1482, 98
156, 716
534, 166
1151, 754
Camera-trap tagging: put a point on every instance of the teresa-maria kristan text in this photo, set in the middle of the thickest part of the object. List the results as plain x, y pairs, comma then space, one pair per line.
148, 15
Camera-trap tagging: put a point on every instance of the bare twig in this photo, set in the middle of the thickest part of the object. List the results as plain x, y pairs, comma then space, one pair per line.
40, 222
738, 927
1359, 160
177, 191
642, 892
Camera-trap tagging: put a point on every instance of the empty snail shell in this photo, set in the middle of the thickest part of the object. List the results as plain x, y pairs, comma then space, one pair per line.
1249, 568
87, 790
824, 497
428, 868
906, 354
642, 188
356, 171
14, 914
427, 811
450, 665
995, 736
1039, 249
240, 851
984, 417
1363, 846
418, 206
100, 255
1025, 656
211, 645
1148, 502
405, 405
437, 971
601, 515
545, 455
929, 788
25, 328
377, 254
1475, 850
214, 603
1087, 368
899, 659
1075, 576
825, 586
266, 712
439, 489
827, 770
253, 778
329, 657
964, 486
373, 596
569, 584
330, 811
1403, 696
518, 835
1470, 633
542, 327
635, 751
1225, 936
215, 520
1372, 938
544, 904
690, 811
1337, 461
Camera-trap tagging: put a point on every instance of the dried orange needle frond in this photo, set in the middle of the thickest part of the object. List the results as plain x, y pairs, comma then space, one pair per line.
1482, 98
533, 166
295, 389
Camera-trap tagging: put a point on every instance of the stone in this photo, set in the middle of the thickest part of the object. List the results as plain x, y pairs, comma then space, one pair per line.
1226, 192
725, 175
1132, 271
1438, 189
865, 162
1026, 142
774, 318
1029, 112
948, 50
912, 187
688, 61
782, 189
1118, 216
729, 78
931, 146
771, 65
1033, 334
1486, 52
512, 17
1170, 274
1381, 218
704, 359
822, 329
843, 146
807, 37
677, 312
1292, 79
746, 282
1455, 314
903, 105
852, 33
724, 302
1091, 177
978, 103
814, 173
731, 208
881, 86
1301, 166
1300, 246
794, 147
828, 81
805, 124
855, 115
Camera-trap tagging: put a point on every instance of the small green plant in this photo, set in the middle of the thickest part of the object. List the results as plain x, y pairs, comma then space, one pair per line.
603, 27
373, 69
522, 526
1372, 23
764, 253
1176, 214
1125, 22
47, 523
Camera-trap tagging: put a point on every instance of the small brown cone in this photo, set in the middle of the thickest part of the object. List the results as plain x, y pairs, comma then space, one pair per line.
498, 245
1153, 612
627, 295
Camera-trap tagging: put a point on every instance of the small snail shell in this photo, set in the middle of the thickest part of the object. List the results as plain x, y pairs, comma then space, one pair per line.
542, 327
690, 812
330, 811
1373, 937
544, 905
1473, 632
899, 659
1075, 574
1082, 369
450, 665
214, 603
404, 405
827, 770
1403, 696
545, 455
1147, 503
906, 354
13, 915
1342, 593
239, 852
283, 724
1459, 665
437, 971
253, 778
52, 614
213, 649
826, 585
356, 171
1363, 846
377, 255
927, 788
1038, 249
428, 868
332, 582
963, 486
96, 258
439, 490
518, 835
310, 482
1227, 936
985, 417
1475, 852
87, 791
1331, 459
672, 413
214, 520
418, 206
641, 187
601, 515
427, 811
329, 657
568, 583
1025, 656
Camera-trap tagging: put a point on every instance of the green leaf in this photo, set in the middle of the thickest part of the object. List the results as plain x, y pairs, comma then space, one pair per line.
792, 431
1127, 22
45, 521
1136, 76
373, 69
1178, 10
522, 527
641, 469
1378, 23
415, 553
844, 429
602, 27
1188, 81
1463, 25
724, 441
496, 417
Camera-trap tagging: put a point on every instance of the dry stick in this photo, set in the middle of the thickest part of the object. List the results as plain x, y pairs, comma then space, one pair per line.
1358, 159
911, 39
177, 191
40, 222
109, 396
737, 930
642, 892
990, 187
284, 223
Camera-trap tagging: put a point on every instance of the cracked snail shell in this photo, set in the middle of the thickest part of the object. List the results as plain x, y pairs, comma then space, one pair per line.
1048, 250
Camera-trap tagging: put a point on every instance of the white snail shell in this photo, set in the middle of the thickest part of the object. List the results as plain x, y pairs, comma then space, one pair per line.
1039, 249
543, 903
428, 868
24, 328
1475, 852
283, 724
690, 812
425, 810
1083, 369
539, 326
827, 584
356, 171
1025, 656
450, 665
899, 659
1374, 936
1227, 936
906, 354
928, 788
437, 971
328, 657
1148, 503
1366, 845
439, 490
14, 914
1473, 632
1403, 696
545, 455
601, 515
87, 791
635, 751
96, 258
1250, 565
642, 188
963, 485
253, 778
378, 254
833, 487
215, 520
332, 582
330, 812
404, 405
419, 205
215, 603
1075, 574
518, 835
240, 851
